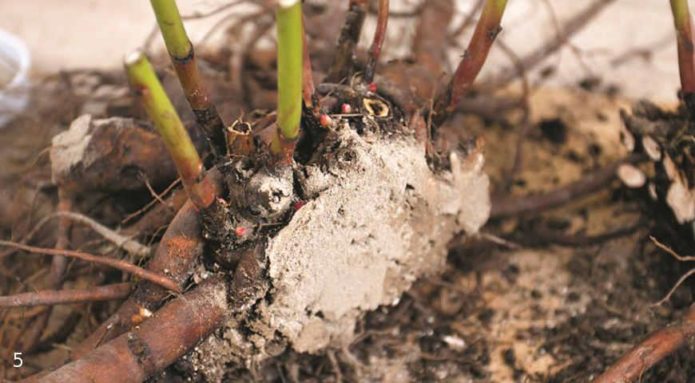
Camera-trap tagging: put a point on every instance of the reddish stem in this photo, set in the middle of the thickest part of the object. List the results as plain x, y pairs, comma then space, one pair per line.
486, 31
198, 97
379, 36
308, 88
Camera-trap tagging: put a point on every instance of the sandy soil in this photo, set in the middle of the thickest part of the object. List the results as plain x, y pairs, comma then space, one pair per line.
549, 314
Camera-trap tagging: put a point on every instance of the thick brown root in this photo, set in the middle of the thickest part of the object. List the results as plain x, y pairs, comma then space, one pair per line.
156, 343
111, 154
180, 248
651, 351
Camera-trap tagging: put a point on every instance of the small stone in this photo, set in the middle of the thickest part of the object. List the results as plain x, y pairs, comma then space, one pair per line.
454, 342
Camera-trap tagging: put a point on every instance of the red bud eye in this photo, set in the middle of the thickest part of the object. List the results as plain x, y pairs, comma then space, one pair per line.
325, 120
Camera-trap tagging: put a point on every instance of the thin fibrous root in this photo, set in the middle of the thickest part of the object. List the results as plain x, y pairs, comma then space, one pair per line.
682, 258
114, 263
160, 198
156, 343
55, 297
675, 287
130, 245
651, 351
158, 216
59, 263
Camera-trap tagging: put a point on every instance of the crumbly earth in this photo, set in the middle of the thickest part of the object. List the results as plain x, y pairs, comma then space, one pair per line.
542, 313
377, 219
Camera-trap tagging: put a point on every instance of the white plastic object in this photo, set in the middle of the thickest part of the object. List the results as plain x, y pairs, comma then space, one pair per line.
15, 61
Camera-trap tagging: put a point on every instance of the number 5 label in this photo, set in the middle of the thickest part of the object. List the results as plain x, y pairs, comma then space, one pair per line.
18, 362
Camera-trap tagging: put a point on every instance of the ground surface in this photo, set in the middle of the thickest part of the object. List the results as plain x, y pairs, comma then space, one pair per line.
527, 310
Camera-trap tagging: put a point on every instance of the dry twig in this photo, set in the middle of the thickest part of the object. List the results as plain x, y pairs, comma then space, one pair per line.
534, 204
571, 27
54, 297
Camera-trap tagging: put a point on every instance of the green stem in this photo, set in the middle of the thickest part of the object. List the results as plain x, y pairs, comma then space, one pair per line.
171, 26
160, 110
686, 52
183, 58
290, 52
486, 31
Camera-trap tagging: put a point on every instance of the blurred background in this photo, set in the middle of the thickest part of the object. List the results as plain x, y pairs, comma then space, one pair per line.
630, 45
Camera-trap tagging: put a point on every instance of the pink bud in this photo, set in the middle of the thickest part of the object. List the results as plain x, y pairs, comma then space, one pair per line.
325, 120
346, 108
240, 231
298, 205
372, 87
